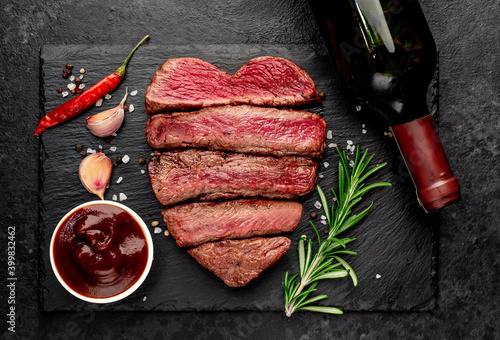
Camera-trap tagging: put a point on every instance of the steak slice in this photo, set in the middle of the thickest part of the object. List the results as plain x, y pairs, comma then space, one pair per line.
183, 84
197, 223
243, 128
177, 176
237, 262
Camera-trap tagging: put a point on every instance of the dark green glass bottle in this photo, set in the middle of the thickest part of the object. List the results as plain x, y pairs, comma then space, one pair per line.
384, 53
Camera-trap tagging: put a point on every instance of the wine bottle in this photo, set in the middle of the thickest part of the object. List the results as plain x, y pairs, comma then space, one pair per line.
384, 53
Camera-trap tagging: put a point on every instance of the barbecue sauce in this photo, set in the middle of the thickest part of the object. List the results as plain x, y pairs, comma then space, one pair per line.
100, 251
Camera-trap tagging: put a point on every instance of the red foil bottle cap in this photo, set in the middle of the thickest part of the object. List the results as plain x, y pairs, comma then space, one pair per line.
426, 161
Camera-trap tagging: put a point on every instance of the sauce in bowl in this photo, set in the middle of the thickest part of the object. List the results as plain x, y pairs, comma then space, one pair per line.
100, 250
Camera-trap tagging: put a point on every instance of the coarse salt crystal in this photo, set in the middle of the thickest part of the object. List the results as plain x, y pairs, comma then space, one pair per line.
123, 197
81, 86
133, 93
363, 126
107, 96
363, 131
100, 147
89, 150
114, 134
65, 93
98, 102
125, 159
349, 142
317, 205
332, 145
323, 221
143, 172
144, 298
114, 197
112, 149
71, 86
321, 176
323, 217
378, 276
81, 76
72, 78
119, 180
326, 164
351, 163
131, 108
157, 230
358, 108
329, 134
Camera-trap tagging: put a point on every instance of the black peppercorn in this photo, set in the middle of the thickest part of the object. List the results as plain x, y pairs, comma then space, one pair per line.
69, 66
78, 147
67, 71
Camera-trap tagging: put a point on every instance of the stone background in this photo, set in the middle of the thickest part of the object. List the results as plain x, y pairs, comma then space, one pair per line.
467, 36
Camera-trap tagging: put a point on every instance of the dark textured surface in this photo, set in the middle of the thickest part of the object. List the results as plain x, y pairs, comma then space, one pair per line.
404, 263
468, 262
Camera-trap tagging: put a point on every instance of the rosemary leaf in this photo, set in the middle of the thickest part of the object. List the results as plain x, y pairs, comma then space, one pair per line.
326, 262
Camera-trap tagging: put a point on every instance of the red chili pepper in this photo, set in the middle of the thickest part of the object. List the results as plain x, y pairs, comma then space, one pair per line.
81, 102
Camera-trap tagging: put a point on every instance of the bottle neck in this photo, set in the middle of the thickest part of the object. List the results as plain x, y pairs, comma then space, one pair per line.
427, 163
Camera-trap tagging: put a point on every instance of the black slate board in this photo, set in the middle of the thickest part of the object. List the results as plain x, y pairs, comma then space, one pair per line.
396, 242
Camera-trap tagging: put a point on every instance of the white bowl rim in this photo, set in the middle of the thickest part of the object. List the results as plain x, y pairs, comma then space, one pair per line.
131, 289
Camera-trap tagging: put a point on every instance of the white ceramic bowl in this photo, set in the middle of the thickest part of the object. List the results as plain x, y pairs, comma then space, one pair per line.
132, 288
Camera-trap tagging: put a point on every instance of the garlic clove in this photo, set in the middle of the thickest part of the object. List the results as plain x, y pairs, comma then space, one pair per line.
107, 122
95, 173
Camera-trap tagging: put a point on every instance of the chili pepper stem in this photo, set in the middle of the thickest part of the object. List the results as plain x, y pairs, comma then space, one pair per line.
121, 70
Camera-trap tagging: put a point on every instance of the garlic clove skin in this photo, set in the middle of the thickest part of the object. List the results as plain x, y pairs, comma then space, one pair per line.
95, 173
107, 122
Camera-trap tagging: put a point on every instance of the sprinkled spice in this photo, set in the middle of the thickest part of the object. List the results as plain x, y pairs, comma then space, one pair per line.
166, 233
154, 223
142, 161
68, 66
78, 147
314, 214
82, 71
59, 89
83, 153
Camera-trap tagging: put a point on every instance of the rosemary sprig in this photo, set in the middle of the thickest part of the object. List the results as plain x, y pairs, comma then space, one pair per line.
327, 263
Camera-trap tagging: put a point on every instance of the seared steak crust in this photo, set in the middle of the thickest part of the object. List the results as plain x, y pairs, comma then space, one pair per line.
183, 84
177, 176
237, 262
243, 128
197, 223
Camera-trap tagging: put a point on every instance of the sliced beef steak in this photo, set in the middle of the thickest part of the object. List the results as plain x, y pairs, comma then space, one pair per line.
177, 176
188, 84
237, 262
197, 223
242, 128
